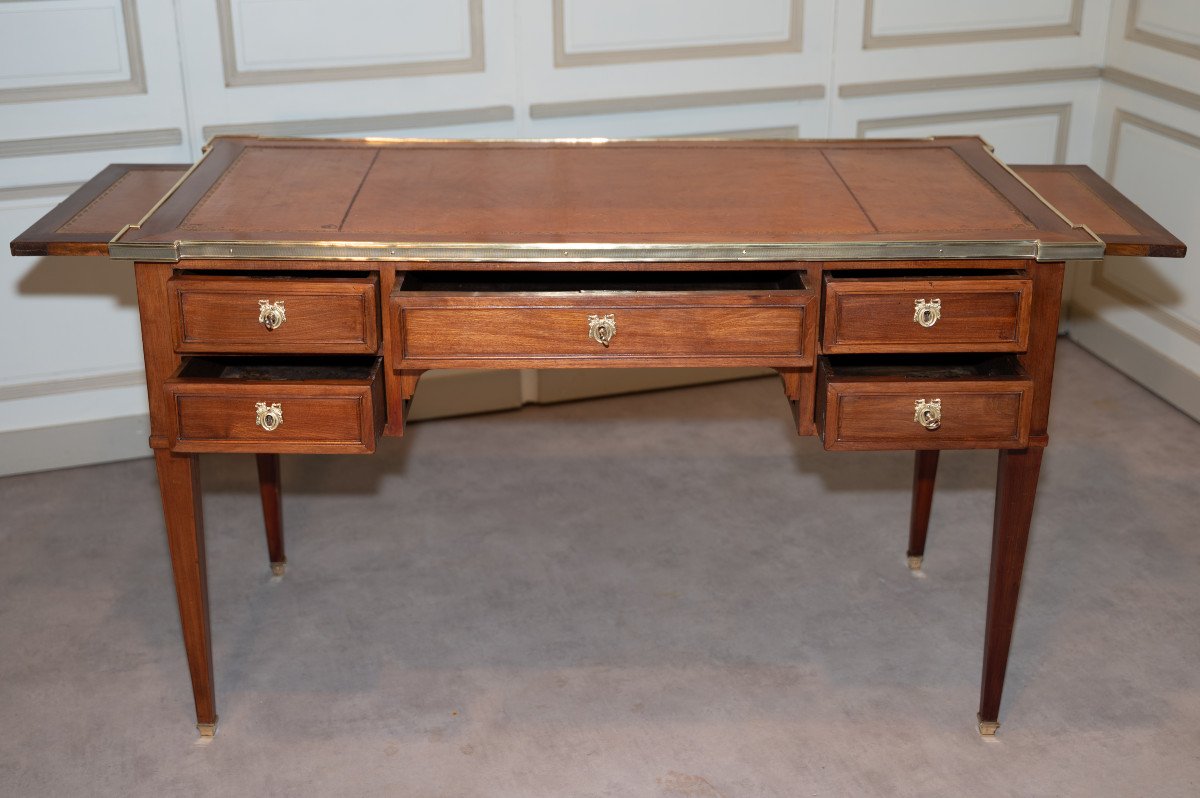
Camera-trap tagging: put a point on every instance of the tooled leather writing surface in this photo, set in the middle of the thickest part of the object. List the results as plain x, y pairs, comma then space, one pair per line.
613, 192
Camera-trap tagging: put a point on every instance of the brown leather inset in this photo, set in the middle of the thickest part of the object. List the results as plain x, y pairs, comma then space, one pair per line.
1080, 204
904, 191
124, 202
609, 193
283, 190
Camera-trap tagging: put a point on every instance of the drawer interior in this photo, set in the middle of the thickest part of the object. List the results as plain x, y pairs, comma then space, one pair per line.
574, 282
280, 369
924, 368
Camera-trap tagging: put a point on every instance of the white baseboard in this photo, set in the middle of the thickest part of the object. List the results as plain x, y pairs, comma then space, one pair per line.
1158, 373
105, 440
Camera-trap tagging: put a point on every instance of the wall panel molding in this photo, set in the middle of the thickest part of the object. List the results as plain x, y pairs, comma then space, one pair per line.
953, 82
134, 84
791, 43
39, 191
1060, 110
91, 142
673, 102
1072, 26
235, 76
1163, 91
1135, 33
360, 124
1100, 280
95, 382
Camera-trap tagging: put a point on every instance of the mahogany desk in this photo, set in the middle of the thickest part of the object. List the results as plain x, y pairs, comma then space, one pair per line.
292, 292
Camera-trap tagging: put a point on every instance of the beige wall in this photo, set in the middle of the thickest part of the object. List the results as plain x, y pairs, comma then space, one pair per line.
87, 82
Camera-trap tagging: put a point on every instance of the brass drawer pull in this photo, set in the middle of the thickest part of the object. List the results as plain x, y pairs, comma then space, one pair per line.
271, 314
927, 313
928, 414
269, 417
602, 329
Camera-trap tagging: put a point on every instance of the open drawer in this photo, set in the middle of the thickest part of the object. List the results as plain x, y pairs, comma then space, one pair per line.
282, 405
926, 402
547, 319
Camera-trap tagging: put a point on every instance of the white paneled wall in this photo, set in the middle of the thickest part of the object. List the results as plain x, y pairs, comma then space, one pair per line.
84, 83
1143, 314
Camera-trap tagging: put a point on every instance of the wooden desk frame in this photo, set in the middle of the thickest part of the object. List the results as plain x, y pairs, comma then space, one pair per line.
1012, 286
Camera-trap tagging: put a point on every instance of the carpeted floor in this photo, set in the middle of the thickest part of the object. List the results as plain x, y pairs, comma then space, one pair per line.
657, 595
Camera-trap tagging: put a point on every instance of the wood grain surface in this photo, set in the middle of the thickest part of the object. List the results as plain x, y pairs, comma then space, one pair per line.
214, 412
978, 314
875, 411
323, 314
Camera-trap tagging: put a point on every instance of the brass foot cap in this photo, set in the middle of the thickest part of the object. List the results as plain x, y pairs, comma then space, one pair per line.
987, 728
207, 729
277, 568
914, 563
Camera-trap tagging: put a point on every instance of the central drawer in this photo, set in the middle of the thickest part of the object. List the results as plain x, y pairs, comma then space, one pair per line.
549, 319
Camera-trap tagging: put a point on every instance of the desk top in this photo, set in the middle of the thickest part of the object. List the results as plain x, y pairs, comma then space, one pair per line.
602, 200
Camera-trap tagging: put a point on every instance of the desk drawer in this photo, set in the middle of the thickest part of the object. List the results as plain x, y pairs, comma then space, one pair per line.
548, 319
286, 405
926, 314
269, 315
952, 402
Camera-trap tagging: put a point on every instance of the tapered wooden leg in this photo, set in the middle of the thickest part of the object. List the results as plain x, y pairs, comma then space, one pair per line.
924, 474
1016, 487
272, 502
179, 483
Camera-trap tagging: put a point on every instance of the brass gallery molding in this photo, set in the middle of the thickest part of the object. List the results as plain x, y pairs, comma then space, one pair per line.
1072, 26
1062, 111
918, 85
91, 142
360, 124
1142, 36
672, 102
134, 84
792, 44
265, 77
1099, 278
1024, 249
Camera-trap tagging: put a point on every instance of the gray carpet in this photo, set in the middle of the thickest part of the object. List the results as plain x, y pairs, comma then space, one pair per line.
658, 595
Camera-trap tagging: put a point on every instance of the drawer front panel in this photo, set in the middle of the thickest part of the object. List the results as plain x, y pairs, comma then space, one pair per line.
888, 413
233, 314
446, 334
954, 315
214, 417
214, 414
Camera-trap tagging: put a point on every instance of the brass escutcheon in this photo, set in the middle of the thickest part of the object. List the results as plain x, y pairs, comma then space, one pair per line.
602, 329
271, 314
928, 414
927, 313
269, 417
